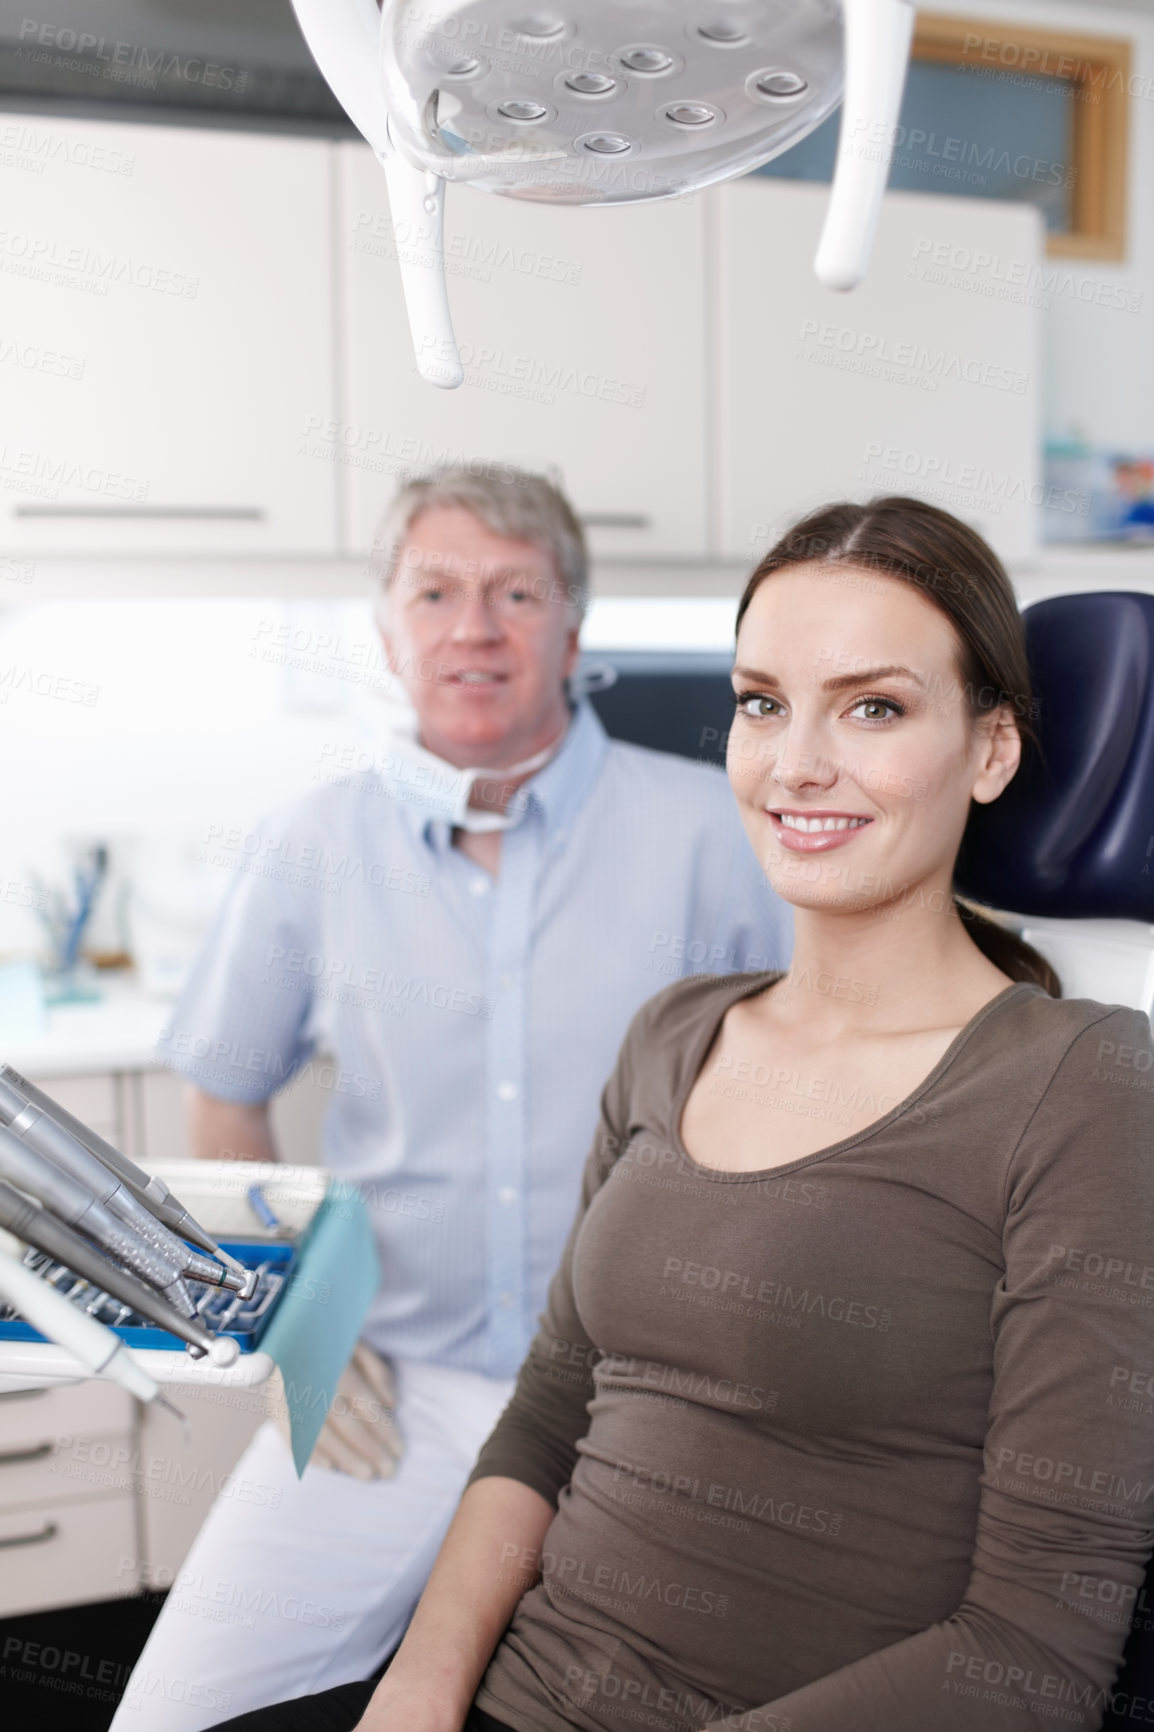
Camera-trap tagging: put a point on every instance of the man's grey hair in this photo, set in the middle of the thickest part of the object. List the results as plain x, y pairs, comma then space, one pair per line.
511, 502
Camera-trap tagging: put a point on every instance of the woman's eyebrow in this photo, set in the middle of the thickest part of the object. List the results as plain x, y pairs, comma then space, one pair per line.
861, 676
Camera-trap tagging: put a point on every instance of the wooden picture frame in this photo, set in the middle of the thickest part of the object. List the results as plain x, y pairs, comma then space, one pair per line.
1098, 68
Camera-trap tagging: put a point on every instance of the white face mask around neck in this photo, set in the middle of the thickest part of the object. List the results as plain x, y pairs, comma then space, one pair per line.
419, 777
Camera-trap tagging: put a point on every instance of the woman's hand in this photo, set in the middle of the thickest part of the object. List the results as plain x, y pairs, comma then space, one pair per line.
399, 1708
470, 1597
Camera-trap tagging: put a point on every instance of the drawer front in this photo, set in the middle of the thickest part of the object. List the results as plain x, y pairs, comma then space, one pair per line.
67, 1554
68, 1467
95, 1408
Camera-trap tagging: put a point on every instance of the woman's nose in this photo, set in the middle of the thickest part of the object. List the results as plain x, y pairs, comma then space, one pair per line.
803, 759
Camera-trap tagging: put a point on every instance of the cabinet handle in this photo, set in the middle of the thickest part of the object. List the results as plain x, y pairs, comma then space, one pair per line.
191, 513
47, 1532
616, 520
36, 1453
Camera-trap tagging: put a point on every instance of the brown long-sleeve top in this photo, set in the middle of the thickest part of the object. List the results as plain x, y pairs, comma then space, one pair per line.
862, 1443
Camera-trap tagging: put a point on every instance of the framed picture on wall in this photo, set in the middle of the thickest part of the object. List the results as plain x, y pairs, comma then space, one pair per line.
995, 110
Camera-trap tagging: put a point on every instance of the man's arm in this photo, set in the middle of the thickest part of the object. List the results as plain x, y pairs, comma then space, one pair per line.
228, 1130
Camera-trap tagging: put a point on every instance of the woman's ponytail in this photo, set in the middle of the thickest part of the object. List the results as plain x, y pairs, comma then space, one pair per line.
1007, 951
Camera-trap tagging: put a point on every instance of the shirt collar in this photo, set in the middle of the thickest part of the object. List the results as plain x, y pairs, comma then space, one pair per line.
557, 790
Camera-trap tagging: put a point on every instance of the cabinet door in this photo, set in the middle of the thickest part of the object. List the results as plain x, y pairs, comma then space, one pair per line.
924, 380
182, 1473
582, 333
166, 340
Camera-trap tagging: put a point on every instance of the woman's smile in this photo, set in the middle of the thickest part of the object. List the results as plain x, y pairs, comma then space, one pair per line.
813, 831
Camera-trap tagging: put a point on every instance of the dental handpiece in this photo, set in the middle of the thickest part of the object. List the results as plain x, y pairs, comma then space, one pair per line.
150, 1190
37, 1227
74, 1205
42, 1133
93, 1343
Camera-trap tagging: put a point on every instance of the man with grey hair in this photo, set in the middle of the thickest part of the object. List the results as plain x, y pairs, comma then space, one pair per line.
518, 874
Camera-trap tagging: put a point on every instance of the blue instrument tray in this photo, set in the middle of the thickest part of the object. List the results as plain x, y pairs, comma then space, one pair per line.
222, 1312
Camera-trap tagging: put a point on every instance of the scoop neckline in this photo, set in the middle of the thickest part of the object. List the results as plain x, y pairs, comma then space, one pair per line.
764, 981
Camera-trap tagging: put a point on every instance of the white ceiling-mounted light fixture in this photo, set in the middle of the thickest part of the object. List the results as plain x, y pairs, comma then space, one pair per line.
619, 101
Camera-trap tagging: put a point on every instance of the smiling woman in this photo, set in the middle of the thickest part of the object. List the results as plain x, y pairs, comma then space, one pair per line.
900, 738
814, 1433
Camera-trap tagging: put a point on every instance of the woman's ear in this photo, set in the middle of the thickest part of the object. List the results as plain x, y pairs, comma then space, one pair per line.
999, 754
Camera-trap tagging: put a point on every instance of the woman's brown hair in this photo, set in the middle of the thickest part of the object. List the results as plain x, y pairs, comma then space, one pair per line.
964, 579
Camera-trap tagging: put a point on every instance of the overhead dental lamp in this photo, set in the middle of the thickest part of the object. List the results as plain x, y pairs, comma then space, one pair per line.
608, 102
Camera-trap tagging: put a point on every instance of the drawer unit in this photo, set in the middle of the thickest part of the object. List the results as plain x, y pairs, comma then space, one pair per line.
67, 1554
32, 1417
84, 1464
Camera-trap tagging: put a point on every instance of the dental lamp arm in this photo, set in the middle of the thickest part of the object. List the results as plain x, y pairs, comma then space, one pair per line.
877, 46
344, 43
417, 205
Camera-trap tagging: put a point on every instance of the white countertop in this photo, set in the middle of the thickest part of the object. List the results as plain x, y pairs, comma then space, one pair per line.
119, 1032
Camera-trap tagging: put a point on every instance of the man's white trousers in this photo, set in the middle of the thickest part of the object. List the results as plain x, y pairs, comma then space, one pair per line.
309, 1583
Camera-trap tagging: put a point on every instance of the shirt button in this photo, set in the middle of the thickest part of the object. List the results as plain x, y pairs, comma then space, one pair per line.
507, 1300
506, 981
507, 1091
506, 1194
479, 886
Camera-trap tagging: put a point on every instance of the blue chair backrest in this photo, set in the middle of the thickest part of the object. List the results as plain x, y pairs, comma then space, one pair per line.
1072, 837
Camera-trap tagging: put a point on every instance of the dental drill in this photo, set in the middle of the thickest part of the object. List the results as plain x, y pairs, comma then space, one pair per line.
72, 1203
151, 1191
39, 1228
38, 1123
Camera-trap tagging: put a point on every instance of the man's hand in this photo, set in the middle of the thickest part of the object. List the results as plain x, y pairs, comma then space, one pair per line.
359, 1436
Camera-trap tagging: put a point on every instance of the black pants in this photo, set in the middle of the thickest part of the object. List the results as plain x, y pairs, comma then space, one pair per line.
335, 1710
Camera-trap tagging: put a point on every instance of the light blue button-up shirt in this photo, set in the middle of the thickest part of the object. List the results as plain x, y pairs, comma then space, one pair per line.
471, 1021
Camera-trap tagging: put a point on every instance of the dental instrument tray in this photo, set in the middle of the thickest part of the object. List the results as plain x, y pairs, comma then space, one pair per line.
222, 1312
300, 1235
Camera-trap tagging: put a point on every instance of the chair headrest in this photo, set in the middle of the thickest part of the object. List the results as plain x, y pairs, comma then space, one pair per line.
1073, 835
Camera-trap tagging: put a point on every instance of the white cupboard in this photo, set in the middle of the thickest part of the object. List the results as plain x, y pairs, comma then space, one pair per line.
926, 379
583, 335
166, 341
204, 355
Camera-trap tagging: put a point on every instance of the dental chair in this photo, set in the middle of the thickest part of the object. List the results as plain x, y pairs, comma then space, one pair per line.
1065, 856
1069, 847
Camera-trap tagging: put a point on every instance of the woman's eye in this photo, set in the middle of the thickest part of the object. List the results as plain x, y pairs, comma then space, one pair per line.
879, 708
756, 705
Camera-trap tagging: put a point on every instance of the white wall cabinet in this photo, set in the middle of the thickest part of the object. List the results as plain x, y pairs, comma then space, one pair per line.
166, 342
926, 379
204, 354
583, 335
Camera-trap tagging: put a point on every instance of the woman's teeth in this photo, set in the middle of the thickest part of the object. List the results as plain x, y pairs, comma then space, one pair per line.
812, 825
